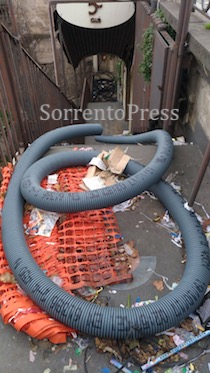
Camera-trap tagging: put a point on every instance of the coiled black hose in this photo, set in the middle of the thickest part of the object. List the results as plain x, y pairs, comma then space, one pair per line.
65, 202
106, 322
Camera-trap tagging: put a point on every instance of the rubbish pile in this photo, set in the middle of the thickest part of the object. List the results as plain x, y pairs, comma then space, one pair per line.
81, 252
84, 252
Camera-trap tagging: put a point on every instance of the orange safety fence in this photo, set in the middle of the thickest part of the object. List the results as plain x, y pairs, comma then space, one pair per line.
82, 251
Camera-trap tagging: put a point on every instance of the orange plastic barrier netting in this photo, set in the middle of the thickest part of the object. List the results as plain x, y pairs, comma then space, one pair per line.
82, 251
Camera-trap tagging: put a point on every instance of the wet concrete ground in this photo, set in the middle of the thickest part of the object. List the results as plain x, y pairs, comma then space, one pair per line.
156, 250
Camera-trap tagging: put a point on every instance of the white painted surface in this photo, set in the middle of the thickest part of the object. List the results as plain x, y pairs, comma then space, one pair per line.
103, 15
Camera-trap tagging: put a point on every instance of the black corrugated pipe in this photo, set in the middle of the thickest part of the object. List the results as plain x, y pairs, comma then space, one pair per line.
48, 200
89, 318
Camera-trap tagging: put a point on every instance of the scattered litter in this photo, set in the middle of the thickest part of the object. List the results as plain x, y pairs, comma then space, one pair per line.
177, 369
87, 292
52, 179
176, 187
174, 285
130, 249
82, 343
108, 345
126, 133
196, 323
48, 370
204, 311
41, 223
88, 358
176, 238
57, 280
192, 368
178, 141
183, 355
150, 194
78, 351
203, 208
85, 148
142, 303
96, 165
105, 370
103, 169
159, 285
208, 239
206, 225
165, 279
118, 365
177, 340
171, 177
128, 305
149, 354
70, 367
97, 161
166, 221
7, 278
175, 350
94, 182
117, 160
121, 207
200, 219
32, 355
113, 291
157, 220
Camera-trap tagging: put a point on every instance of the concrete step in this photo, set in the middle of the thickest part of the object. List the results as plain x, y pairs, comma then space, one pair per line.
110, 115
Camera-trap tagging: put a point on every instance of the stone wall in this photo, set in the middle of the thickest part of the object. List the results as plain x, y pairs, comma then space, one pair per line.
33, 23
196, 123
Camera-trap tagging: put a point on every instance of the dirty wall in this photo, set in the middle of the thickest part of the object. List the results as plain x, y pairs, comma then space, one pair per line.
198, 106
195, 122
33, 23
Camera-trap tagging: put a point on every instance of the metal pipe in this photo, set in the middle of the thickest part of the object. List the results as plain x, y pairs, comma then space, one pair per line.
62, 58
12, 17
200, 176
56, 61
175, 65
52, 32
181, 51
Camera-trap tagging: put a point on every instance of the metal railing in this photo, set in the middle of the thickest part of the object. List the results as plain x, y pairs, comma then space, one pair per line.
24, 88
86, 94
